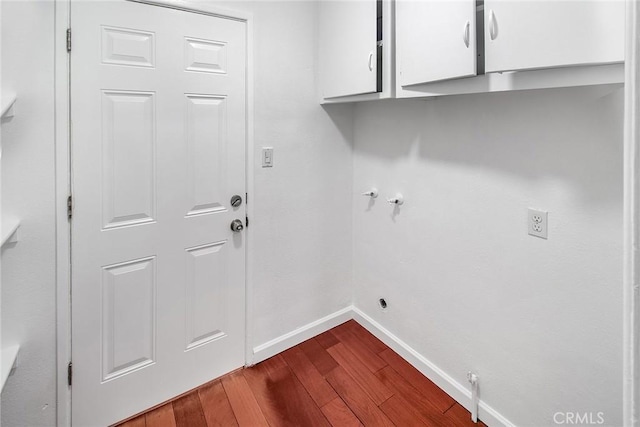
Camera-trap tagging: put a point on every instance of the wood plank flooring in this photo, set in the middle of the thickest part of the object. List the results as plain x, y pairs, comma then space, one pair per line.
344, 377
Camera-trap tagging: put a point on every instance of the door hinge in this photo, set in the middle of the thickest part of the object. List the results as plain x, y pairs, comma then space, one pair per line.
68, 39
69, 207
70, 374
246, 221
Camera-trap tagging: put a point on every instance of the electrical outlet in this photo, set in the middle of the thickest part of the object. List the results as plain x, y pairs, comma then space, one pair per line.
538, 223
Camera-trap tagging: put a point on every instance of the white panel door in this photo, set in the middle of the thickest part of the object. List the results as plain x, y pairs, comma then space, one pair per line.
531, 34
347, 47
436, 40
158, 150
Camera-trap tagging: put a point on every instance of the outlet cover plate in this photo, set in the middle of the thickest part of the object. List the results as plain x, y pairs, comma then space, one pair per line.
538, 223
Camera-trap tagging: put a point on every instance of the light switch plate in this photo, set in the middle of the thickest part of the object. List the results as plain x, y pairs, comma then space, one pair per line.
267, 157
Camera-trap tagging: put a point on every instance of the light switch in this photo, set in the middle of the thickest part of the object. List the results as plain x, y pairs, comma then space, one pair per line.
267, 157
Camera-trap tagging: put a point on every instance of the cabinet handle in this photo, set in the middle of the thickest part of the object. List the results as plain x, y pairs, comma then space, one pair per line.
493, 25
465, 34
370, 61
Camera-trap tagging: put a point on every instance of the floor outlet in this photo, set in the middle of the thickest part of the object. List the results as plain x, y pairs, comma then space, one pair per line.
538, 224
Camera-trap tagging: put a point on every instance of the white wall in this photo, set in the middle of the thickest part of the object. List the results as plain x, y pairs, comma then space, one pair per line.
538, 320
28, 269
301, 240
1, 224
302, 244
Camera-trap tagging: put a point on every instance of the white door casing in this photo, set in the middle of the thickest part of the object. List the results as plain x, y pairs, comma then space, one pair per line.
436, 40
158, 112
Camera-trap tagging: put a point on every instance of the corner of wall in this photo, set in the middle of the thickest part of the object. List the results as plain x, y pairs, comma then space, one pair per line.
457, 391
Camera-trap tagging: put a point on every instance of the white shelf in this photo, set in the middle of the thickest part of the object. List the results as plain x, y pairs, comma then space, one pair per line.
9, 357
9, 230
7, 104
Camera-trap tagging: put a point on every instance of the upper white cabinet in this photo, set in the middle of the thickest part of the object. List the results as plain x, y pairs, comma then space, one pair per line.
372, 49
348, 58
435, 40
535, 34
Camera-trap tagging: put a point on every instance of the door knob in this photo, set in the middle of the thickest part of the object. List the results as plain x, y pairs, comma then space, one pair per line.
237, 226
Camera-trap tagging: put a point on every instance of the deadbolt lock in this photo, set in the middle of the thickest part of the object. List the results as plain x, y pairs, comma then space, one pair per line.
236, 201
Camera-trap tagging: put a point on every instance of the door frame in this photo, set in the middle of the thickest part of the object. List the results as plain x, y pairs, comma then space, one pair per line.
63, 183
631, 221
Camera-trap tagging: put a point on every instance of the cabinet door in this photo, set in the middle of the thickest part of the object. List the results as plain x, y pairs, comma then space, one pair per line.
347, 47
530, 34
436, 40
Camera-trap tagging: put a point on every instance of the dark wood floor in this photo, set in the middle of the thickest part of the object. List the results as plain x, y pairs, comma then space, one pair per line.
343, 377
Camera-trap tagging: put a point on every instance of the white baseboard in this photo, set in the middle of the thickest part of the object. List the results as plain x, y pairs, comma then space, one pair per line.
295, 337
457, 391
